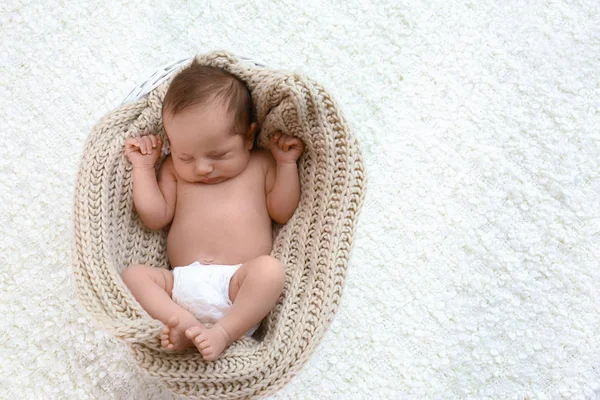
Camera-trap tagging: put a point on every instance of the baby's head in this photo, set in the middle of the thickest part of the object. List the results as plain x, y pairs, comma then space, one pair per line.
207, 117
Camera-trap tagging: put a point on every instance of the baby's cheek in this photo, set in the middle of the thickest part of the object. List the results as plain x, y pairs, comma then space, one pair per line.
181, 170
188, 173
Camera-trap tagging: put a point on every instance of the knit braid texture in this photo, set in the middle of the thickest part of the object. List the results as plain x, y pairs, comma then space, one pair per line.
314, 246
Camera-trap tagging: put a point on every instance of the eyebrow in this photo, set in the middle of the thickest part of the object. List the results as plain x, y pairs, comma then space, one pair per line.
218, 152
212, 153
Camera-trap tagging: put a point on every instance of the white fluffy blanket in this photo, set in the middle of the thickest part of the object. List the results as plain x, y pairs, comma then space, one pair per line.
475, 268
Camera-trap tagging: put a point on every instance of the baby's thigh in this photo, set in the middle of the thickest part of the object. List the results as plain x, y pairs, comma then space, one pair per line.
142, 275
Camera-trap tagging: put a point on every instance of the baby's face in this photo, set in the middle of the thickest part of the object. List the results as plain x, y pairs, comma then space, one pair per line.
203, 146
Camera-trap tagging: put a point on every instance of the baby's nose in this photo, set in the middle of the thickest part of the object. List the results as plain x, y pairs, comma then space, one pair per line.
203, 168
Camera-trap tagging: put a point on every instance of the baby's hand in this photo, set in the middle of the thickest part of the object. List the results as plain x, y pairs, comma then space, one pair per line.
286, 149
143, 151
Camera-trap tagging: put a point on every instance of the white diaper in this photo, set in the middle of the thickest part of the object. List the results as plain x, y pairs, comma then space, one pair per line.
203, 290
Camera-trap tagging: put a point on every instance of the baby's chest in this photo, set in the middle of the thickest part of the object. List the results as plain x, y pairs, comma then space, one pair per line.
229, 198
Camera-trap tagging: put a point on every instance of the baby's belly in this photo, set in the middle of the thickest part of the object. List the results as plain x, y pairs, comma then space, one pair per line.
219, 236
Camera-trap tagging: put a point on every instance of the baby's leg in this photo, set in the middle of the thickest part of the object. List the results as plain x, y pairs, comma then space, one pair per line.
153, 289
254, 289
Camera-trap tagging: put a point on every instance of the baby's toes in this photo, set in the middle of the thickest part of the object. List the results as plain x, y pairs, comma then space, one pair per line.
201, 343
164, 332
206, 350
193, 332
204, 346
164, 336
209, 354
165, 341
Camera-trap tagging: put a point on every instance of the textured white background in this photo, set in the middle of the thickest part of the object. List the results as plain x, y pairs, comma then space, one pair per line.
475, 268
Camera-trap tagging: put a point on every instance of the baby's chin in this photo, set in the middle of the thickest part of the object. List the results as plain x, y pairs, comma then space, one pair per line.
224, 176
212, 181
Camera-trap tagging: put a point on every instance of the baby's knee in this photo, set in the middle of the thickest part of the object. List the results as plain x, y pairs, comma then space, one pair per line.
133, 272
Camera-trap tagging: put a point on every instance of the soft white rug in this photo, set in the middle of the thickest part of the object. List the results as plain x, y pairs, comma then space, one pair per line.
475, 270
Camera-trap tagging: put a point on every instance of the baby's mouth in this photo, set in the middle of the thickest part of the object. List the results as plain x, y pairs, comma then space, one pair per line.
209, 180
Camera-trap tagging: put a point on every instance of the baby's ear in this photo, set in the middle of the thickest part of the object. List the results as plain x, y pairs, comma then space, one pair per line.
250, 136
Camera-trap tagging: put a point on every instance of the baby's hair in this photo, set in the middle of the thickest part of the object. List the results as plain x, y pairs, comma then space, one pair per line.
199, 84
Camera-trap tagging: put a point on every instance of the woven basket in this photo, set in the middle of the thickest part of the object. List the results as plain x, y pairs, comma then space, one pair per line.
314, 246
167, 71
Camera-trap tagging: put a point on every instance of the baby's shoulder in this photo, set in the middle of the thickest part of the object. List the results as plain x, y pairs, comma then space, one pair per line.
260, 153
263, 157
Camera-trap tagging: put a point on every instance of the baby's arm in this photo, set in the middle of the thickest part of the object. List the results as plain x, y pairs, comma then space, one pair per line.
154, 200
283, 182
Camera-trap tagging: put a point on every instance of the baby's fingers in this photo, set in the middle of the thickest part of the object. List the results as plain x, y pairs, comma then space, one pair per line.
275, 137
285, 143
132, 145
146, 144
141, 145
274, 142
297, 143
156, 142
292, 142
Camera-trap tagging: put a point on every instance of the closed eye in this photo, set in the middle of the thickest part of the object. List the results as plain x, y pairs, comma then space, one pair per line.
218, 156
185, 160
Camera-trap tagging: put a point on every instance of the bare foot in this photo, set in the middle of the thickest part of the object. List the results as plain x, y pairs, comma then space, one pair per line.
210, 341
173, 334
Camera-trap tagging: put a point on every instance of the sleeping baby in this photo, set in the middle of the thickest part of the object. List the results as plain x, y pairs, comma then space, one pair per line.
219, 195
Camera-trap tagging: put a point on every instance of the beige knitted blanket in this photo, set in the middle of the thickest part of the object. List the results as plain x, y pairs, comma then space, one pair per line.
314, 246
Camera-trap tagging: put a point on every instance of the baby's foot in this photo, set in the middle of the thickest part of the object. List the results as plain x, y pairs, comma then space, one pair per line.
173, 334
210, 341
